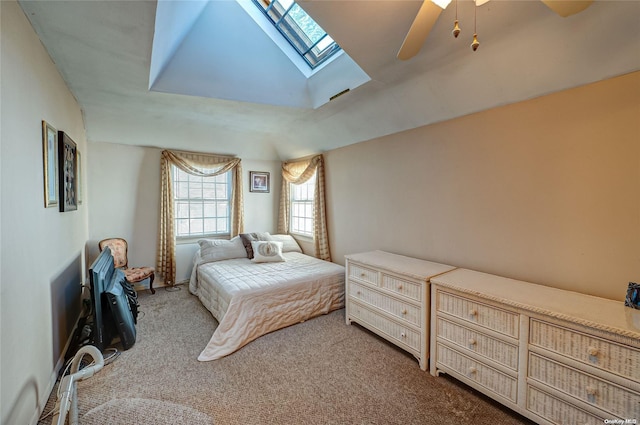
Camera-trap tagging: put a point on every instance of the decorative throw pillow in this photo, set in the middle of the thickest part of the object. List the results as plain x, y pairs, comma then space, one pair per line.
221, 249
267, 251
247, 238
289, 244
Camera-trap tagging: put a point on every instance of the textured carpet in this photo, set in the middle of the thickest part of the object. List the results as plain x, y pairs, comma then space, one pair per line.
321, 371
144, 411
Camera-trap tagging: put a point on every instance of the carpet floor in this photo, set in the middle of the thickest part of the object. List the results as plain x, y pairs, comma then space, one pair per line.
321, 371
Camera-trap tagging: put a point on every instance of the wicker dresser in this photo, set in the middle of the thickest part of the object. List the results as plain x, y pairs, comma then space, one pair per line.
554, 356
389, 295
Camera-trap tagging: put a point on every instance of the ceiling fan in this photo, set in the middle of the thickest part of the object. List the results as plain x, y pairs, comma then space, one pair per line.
431, 9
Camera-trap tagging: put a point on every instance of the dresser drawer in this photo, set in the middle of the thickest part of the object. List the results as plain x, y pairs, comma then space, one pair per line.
619, 401
557, 411
382, 325
472, 341
402, 310
403, 287
606, 355
363, 273
477, 372
496, 319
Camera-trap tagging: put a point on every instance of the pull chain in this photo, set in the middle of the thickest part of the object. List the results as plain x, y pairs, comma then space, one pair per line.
475, 44
456, 28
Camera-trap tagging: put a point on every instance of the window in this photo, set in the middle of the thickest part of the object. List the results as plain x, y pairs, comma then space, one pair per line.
301, 31
302, 207
202, 204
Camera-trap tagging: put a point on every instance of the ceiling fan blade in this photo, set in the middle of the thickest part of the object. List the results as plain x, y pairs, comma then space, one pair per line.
422, 24
566, 8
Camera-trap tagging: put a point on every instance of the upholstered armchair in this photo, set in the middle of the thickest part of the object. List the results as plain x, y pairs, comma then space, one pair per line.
118, 248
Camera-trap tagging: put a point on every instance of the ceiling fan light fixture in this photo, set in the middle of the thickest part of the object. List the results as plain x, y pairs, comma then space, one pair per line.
442, 3
567, 8
431, 9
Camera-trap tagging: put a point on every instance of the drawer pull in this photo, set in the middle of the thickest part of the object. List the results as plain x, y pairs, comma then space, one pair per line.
472, 341
399, 286
593, 351
473, 312
591, 391
403, 335
404, 311
358, 292
363, 274
472, 369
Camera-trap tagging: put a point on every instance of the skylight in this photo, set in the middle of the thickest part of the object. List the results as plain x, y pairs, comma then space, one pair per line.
310, 41
194, 55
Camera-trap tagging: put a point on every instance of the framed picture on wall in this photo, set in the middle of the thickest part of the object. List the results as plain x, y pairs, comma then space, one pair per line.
79, 177
50, 164
68, 172
633, 296
259, 181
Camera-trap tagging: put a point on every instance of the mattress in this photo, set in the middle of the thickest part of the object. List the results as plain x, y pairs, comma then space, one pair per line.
252, 299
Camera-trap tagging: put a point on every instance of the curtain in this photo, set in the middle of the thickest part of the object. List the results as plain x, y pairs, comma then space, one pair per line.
198, 164
298, 172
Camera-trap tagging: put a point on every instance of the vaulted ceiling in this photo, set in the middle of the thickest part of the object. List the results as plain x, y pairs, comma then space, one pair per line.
103, 50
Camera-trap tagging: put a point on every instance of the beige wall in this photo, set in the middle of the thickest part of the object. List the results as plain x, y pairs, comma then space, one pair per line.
546, 190
124, 188
42, 250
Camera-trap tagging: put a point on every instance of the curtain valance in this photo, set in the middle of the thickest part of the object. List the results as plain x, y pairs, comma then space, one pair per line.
200, 164
300, 171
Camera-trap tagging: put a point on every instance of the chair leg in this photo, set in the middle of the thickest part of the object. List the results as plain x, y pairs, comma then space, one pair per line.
153, 275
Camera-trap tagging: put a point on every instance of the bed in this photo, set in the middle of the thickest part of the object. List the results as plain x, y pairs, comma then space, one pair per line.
250, 297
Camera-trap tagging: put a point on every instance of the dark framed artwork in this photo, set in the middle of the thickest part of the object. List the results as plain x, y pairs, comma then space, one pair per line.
79, 176
633, 296
50, 164
68, 172
259, 181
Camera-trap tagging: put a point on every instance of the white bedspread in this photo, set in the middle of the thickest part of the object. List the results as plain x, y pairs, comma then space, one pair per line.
251, 299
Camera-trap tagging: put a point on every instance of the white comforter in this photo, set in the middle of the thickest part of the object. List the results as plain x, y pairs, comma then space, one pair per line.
251, 299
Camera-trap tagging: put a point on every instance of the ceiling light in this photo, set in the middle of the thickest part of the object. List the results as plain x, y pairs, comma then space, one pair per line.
430, 11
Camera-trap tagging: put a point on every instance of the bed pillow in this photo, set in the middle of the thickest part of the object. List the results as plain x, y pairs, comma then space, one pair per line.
221, 249
289, 244
247, 238
267, 251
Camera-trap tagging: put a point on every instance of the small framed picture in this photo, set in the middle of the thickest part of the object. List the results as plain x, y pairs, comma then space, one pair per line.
79, 161
67, 173
633, 296
50, 164
259, 181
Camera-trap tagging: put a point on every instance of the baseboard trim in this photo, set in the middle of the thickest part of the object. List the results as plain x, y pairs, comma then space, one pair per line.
53, 378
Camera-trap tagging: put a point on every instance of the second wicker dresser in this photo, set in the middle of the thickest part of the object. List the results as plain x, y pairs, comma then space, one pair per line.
556, 357
389, 295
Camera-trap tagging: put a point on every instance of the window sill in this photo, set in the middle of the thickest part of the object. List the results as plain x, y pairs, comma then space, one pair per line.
187, 240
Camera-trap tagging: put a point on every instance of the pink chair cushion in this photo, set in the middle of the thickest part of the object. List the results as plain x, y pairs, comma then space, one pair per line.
136, 274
